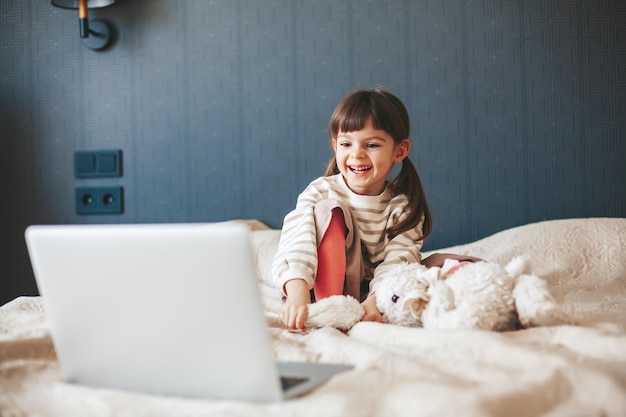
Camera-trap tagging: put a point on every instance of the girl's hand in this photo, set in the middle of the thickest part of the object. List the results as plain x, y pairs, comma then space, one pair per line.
295, 311
371, 311
437, 259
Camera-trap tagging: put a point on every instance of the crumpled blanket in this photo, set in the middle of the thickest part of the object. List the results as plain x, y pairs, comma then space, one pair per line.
577, 370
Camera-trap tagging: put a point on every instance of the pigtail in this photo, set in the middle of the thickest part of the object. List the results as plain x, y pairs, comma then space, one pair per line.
408, 182
332, 168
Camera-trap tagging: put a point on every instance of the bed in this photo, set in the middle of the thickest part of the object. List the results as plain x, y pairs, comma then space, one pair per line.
575, 370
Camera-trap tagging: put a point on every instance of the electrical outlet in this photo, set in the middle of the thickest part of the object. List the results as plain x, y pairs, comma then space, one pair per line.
99, 200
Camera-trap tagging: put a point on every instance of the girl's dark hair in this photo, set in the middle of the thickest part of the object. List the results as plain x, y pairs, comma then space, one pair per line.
387, 113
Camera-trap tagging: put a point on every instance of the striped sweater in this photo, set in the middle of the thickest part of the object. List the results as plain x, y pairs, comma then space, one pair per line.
296, 256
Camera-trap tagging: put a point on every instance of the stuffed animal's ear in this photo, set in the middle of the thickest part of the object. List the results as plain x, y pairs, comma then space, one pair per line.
414, 302
338, 311
431, 275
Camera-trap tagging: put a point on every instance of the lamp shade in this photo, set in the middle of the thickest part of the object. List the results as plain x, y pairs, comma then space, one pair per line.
73, 4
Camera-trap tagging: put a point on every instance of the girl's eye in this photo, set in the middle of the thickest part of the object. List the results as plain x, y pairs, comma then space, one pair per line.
394, 298
344, 144
373, 145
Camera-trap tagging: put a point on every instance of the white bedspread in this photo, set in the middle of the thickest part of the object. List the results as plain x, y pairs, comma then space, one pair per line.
557, 371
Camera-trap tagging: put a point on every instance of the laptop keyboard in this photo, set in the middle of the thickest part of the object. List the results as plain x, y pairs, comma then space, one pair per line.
291, 381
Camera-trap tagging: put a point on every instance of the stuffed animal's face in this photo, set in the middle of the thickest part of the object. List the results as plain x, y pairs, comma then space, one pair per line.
404, 292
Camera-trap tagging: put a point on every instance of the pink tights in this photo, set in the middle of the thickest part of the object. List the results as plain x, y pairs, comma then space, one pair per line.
331, 258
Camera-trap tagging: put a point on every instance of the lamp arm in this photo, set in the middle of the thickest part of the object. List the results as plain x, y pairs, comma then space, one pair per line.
83, 18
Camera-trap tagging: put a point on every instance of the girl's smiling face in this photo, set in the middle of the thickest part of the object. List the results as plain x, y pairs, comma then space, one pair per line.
365, 157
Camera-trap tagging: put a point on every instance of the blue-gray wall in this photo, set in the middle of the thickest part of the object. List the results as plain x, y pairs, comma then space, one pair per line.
220, 107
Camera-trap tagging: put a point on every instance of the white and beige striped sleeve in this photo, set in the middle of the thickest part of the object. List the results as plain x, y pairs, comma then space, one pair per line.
296, 256
405, 247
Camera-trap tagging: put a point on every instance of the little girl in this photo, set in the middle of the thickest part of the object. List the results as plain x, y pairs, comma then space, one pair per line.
351, 225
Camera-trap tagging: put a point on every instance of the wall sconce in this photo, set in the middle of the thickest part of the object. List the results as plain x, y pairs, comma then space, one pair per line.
95, 33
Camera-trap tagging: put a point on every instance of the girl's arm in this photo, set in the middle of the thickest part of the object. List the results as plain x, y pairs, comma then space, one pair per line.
296, 255
404, 247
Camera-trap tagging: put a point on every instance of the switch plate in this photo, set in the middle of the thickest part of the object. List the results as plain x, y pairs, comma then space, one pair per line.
98, 164
99, 200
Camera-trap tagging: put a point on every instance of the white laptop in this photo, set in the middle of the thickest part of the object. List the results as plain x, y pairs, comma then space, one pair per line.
171, 309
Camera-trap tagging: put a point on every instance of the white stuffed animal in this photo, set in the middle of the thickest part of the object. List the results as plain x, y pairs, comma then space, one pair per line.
480, 295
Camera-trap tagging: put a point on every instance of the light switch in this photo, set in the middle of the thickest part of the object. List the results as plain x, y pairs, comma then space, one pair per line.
98, 164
